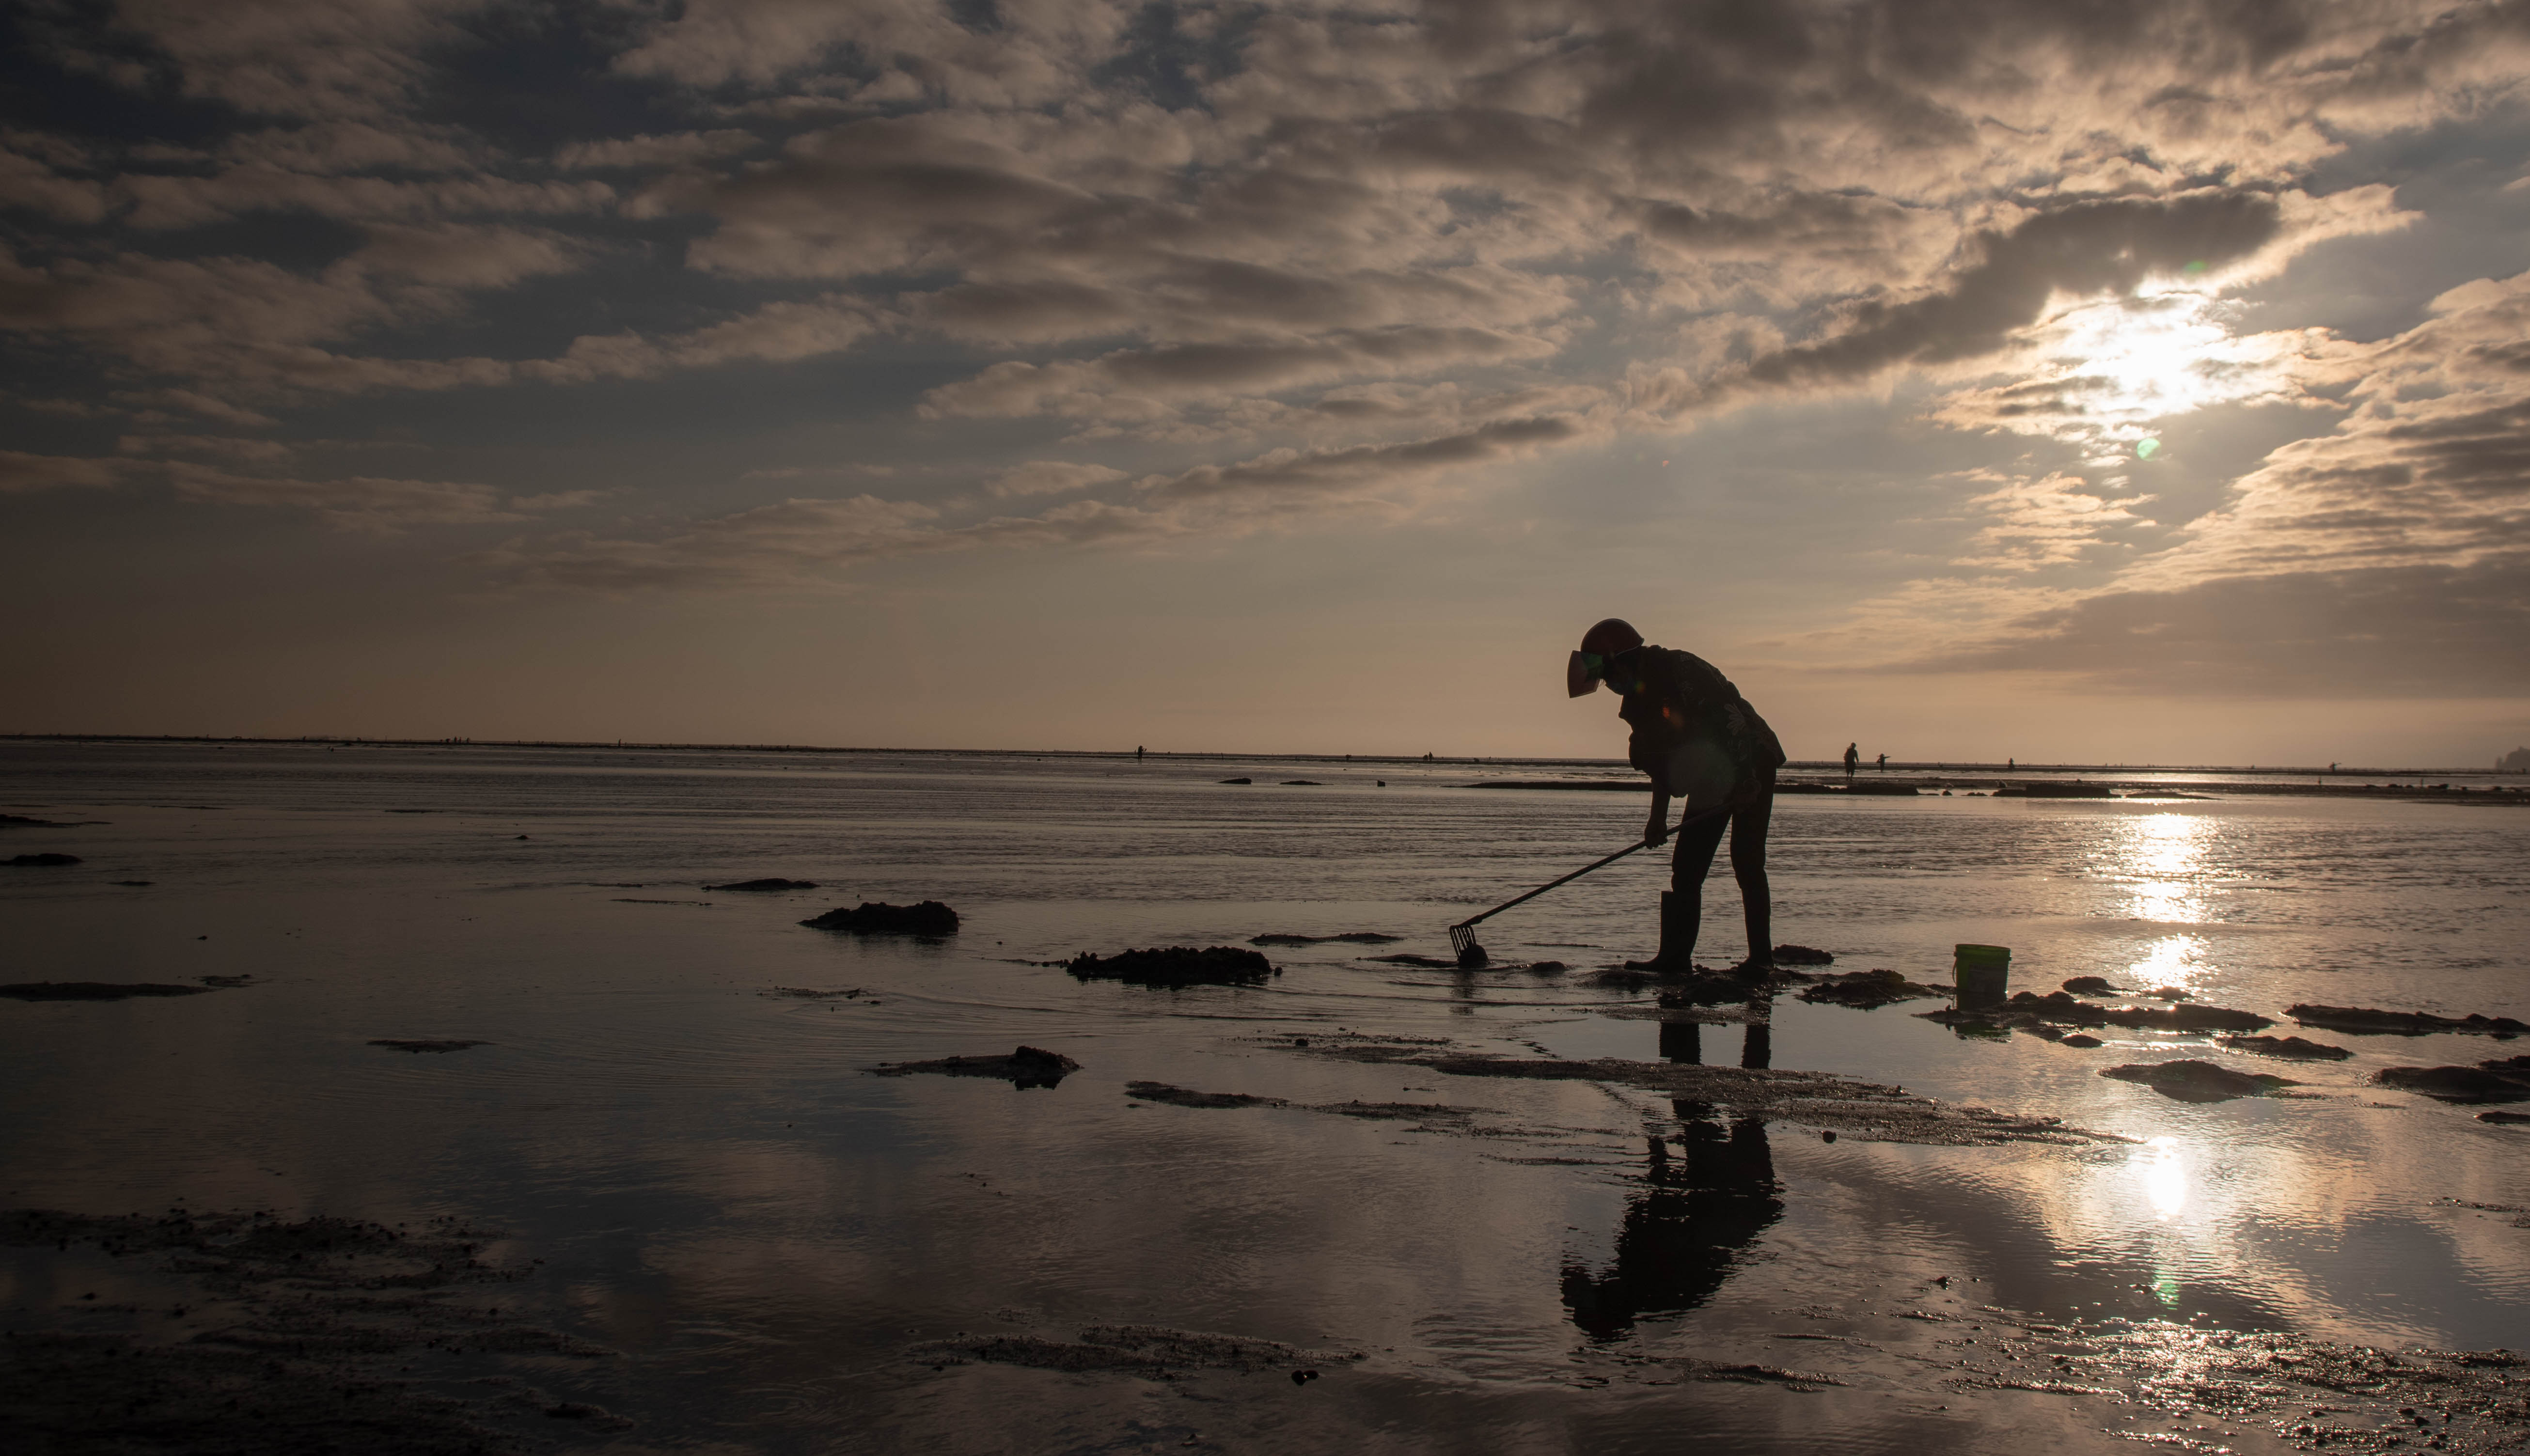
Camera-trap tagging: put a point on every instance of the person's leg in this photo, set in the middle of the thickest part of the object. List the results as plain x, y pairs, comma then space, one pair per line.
1748, 822
1690, 861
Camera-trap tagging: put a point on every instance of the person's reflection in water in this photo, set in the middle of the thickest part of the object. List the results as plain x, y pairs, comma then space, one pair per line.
1702, 1204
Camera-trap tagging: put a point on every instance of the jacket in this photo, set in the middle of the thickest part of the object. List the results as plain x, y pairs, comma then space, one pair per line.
1677, 698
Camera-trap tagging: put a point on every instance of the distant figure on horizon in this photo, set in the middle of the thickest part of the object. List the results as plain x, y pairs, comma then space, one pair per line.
1883, 765
2011, 763
1852, 756
1137, 754
1699, 741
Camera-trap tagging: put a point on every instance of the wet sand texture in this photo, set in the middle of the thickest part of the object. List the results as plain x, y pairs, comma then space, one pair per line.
1148, 1350
425, 1046
1350, 937
1865, 1110
2295, 1049
92, 991
1866, 990
39, 861
1175, 966
2193, 1081
772, 886
309, 1330
2501, 1080
2366, 1021
869, 918
1027, 1066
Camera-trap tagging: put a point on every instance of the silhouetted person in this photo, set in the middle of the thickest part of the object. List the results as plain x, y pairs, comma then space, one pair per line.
1699, 741
1852, 757
1678, 1237
1138, 755
1883, 765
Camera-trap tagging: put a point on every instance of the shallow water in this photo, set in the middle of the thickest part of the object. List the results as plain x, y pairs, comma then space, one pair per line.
720, 1192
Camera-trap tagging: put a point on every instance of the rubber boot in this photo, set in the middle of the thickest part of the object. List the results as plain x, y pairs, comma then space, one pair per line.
1677, 923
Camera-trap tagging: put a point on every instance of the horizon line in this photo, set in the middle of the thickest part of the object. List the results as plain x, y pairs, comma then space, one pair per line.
626, 744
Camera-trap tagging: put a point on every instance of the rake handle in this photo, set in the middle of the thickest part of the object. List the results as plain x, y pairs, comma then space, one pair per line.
1585, 869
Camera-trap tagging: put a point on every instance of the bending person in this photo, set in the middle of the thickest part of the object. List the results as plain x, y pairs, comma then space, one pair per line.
1699, 741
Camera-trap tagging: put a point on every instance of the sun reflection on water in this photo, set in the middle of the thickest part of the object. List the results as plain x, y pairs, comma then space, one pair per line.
2165, 1178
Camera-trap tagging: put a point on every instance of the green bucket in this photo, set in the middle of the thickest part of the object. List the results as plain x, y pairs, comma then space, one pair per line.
1983, 973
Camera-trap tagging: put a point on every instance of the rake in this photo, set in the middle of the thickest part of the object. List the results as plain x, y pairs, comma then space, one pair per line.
1462, 936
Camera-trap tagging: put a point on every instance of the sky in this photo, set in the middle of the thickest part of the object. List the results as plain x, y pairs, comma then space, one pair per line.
2070, 380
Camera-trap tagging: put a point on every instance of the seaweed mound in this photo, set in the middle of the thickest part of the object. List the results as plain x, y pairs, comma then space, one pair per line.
2367, 1021
1865, 990
1175, 965
91, 990
1803, 955
2194, 1081
770, 886
2503, 1080
2296, 1049
1026, 1066
929, 918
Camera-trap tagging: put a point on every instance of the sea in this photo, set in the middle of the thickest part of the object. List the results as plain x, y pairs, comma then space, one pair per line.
673, 1126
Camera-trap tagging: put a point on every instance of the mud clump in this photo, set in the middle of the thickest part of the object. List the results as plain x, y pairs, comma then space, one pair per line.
1147, 1350
418, 1046
2083, 1039
2503, 1080
772, 886
1024, 1067
1866, 990
41, 861
2092, 986
1175, 966
2368, 1021
2194, 1081
94, 990
1348, 937
1803, 955
869, 918
2292, 1049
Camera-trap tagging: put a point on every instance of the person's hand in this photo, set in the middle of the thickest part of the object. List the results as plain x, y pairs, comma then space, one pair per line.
1656, 830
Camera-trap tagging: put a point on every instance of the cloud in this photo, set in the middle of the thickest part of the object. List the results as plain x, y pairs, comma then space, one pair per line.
360, 503
634, 153
19, 471
1052, 478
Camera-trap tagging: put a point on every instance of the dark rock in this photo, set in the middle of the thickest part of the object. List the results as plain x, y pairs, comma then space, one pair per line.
1238, 781
929, 918
1184, 1097
2091, 986
2504, 1080
2197, 1081
91, 990
1350, 937
1803, 955
37, 861
2083, 1039
1866, 990
2293, 1048
759, 887
2367, 1021
419, 1047
2186, 1019
1175, 966
1027, 1066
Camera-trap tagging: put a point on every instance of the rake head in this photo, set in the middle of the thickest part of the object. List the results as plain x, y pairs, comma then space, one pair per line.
1471, 956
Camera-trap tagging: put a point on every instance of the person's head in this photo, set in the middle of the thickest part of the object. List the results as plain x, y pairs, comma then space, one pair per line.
1602, 646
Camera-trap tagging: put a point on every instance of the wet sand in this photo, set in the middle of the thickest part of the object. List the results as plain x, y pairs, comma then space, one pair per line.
729, 1183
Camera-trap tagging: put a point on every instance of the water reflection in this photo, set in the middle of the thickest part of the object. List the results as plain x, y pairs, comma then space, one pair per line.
1707, 1194
2165, 1178
2165, 856
2168, 961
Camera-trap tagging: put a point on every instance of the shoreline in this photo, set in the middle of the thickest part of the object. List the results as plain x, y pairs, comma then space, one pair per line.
2019, 785
1936, 773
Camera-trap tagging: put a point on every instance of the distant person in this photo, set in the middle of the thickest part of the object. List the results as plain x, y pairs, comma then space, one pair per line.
1699, 741
1137, 754
1853, 757
1883, 765
2011, 763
